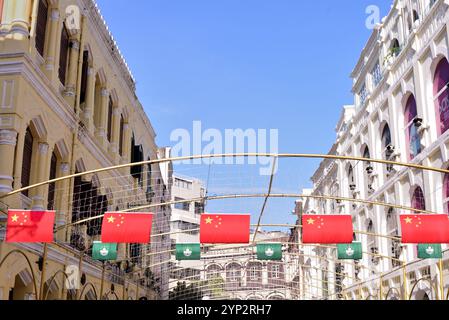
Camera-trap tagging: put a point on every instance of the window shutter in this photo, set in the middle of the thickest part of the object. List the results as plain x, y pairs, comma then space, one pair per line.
84, 76
41, 26
51, 186
63, 55
26, 162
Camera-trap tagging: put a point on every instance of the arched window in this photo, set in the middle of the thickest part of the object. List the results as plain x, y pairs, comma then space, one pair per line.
386, 137
213, 272
120, 145
110, 106
64, 54
41, 26
51, 186
411, 128
371, 241
395, 48
26, 160
446, 193
367, 155
233, 273
387, 146
351, 178
441, 95
84, 71
418, 200
393, 231
368, 171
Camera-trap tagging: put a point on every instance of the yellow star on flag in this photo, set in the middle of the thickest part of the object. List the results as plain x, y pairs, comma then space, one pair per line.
310, 221
111, 219
14, 218
408, 220
209, 220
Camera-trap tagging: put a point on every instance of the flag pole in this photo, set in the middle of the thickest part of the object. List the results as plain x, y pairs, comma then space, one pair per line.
80, 266
404, 275
381, 288
102, 281
44, 261
440, 267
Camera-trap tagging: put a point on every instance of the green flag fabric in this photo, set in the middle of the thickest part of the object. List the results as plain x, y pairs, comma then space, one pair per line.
269, 251
104, 251
430, 251
351, 251
188, 251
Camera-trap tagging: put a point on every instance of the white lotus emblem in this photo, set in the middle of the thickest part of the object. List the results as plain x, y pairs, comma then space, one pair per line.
349, 252
430, 251
187, 252
104, 252
269, 252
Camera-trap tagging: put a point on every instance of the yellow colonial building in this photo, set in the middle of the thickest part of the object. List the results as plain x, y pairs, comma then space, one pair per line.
68, 104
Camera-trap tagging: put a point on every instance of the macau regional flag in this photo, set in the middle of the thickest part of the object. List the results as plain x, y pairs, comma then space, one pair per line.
190, 251
104, 251
430, 251
269, 251
351, 251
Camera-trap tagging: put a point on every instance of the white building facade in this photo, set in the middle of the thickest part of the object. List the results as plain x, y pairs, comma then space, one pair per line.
401, 113
185, 216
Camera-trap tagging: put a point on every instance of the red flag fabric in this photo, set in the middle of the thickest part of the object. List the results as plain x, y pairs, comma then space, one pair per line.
224, 228
327, 229
25, 226
425, 228
126, 227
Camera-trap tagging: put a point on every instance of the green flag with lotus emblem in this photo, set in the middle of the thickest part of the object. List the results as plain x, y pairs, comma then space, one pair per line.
104, 251
430, 251
350, 251
188, 251
269, 251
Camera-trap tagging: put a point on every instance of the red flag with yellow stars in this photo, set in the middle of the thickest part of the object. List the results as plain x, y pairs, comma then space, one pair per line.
425, 228
126, 227
327, 229
224, 228
24, 226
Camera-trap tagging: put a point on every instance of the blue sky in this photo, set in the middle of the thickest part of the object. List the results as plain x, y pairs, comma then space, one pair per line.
245, 64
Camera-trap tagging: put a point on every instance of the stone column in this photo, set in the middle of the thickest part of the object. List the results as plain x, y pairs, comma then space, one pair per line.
70, 88
17, 13
113, 147
62, 199
52, 34
88, 114
101, 129
8, 140
39, 192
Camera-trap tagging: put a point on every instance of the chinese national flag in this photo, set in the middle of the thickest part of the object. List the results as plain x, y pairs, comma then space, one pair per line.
30, 226
425, 228
126, 227
327, 229
224, 228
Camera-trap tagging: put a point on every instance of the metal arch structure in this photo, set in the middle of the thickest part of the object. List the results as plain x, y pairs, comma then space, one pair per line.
391, 290
53, 279
36, 292
92, 286
106, 295
227, 155
429, 281
222, 197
